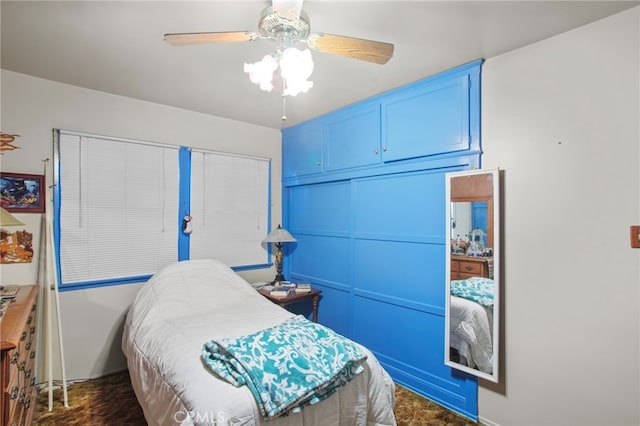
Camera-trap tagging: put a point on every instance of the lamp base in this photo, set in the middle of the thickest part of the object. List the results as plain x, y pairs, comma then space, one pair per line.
278, 279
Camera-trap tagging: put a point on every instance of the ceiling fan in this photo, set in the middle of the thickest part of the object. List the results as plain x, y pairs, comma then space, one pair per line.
287, 24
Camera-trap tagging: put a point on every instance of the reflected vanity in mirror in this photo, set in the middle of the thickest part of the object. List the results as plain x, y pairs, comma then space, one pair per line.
472, 302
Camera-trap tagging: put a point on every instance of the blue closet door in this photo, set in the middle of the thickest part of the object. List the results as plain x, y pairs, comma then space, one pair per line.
399, 267
319, 216
375, 246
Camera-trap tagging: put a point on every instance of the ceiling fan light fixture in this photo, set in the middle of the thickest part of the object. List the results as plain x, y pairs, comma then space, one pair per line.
296, 67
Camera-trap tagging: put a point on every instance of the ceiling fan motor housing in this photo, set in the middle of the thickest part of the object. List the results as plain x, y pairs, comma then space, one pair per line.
285, 31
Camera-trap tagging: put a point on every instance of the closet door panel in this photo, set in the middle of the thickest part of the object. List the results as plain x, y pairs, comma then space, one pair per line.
320, 209
321, 259
386, 328
406, 206
408, 271
335, 309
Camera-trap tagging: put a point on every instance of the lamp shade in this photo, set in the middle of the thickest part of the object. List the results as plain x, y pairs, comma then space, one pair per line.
7, 219
279, 235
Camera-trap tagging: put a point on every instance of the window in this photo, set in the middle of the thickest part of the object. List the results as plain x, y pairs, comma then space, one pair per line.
226, 191
120, 205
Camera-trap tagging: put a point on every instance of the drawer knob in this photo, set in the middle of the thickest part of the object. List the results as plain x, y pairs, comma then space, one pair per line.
469, 268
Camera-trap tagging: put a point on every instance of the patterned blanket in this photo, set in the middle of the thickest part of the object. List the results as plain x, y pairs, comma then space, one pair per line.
476, 289
287, 366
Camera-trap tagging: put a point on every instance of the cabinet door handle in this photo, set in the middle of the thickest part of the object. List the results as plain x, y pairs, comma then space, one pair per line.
384, 149
375, 151
318, 163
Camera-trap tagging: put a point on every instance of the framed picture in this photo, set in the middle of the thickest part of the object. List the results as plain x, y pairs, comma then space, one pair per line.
22, 193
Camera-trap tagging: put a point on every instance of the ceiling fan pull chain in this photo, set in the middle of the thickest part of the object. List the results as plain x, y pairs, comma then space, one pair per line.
284, 108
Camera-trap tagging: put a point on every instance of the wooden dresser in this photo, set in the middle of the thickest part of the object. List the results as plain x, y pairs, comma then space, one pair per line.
463, 267
18, 341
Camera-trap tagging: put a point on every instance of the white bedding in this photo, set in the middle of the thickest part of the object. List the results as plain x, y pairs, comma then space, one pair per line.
191, 302
470, 333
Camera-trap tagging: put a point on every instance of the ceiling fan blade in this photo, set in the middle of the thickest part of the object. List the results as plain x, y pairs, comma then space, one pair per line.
288, 9
180, 39
365, 50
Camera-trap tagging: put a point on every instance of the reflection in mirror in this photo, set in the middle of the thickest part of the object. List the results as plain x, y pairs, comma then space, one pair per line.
471, 312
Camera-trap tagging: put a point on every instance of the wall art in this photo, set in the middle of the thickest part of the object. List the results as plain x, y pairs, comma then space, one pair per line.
22, 193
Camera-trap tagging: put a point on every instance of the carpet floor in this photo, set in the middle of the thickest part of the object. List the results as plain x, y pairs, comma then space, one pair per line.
110, 401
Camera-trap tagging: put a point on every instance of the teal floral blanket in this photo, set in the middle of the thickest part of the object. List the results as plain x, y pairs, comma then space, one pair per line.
287, 366
476, 289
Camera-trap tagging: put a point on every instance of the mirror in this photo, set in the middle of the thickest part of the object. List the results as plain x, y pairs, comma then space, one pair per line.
472, 302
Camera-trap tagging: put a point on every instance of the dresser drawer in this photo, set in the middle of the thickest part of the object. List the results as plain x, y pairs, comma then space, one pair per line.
472, 268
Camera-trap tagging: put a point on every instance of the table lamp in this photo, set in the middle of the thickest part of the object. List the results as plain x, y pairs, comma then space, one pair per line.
279, 236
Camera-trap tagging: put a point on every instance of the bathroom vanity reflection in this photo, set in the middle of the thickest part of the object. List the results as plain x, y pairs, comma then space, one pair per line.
471, 312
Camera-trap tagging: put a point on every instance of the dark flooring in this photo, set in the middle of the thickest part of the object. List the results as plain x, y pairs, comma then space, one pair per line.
110, 401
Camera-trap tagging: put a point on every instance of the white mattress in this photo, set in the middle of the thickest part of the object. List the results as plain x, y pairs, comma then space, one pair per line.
195, 301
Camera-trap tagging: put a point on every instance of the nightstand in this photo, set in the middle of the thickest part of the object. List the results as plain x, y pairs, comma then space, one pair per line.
313, 295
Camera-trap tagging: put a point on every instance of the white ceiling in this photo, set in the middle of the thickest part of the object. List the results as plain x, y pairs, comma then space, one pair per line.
117, 47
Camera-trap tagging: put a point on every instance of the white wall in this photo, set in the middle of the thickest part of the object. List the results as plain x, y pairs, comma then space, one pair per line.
561, 118
31, 107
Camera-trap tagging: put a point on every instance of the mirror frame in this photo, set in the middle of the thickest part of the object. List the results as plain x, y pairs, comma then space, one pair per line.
469, 193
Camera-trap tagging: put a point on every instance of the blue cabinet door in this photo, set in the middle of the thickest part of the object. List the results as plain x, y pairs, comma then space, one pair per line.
302, 149
352, 137
427, 120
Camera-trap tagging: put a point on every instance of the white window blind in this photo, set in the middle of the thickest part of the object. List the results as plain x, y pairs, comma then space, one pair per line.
230, 208
118, 208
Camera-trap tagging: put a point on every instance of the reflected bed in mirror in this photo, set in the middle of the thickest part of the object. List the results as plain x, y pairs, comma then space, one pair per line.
471, 312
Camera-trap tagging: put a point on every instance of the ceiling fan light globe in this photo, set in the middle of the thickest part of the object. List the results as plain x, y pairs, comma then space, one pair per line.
261, 72
296, 63
294, 86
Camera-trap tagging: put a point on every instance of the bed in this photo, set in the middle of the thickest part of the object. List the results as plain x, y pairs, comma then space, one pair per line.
471, 322
187, 306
